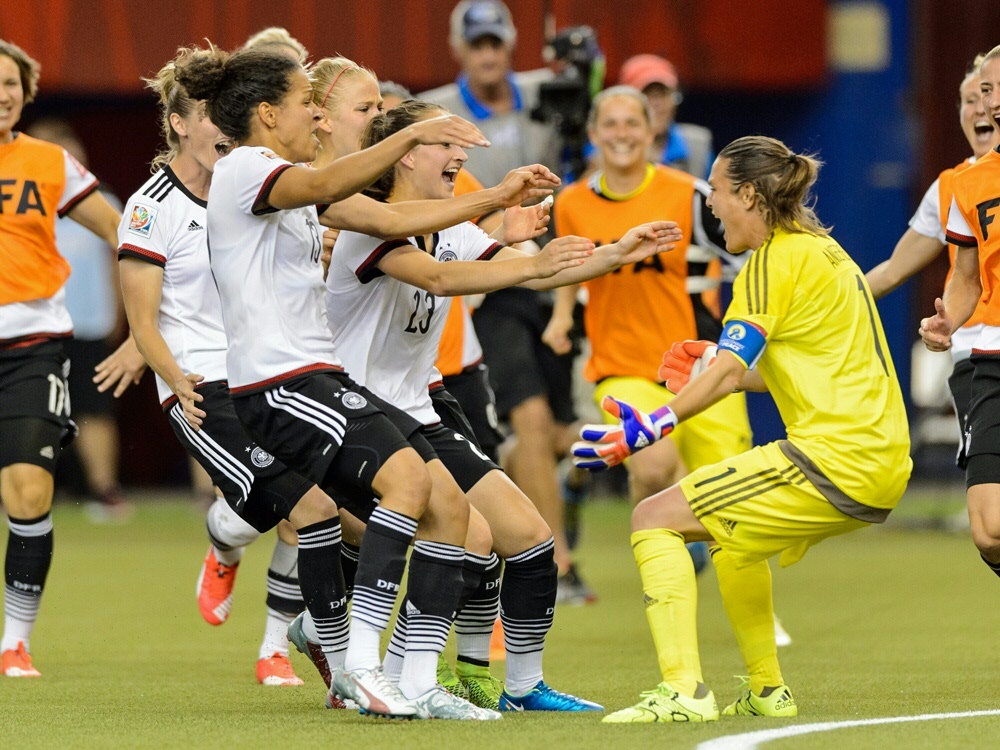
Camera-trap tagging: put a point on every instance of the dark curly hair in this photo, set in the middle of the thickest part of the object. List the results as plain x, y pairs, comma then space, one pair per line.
390, 123
233, 85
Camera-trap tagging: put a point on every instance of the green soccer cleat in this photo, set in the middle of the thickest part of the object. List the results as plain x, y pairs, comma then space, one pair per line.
447, 679
779, 703
662, 704
482, 689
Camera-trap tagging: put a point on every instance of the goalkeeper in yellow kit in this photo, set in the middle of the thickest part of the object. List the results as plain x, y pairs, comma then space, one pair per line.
803, 326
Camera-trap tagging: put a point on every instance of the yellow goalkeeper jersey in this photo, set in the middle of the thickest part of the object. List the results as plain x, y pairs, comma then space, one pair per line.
827, 364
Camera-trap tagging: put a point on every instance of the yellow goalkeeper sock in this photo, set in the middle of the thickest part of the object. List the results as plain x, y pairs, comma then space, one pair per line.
671, 596
746, 594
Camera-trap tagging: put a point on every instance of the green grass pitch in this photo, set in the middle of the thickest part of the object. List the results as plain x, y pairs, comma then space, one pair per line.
885, 622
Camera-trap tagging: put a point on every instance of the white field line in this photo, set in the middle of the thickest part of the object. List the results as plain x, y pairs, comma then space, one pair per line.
753, 740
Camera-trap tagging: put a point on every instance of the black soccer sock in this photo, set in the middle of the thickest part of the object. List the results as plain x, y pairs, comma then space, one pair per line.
380, 566
349, 555
29, 555
995, 567
527, 606
478, 612
322, 582
434, 587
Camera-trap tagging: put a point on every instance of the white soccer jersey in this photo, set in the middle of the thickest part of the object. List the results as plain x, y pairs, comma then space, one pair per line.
927, 219
164, 224
266, 263
47, 316
385, 331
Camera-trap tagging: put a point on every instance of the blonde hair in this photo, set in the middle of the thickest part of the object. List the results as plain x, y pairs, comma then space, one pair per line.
993, 54
174, 99
612, 91
325, 74
781, 178
276, 36
27, 66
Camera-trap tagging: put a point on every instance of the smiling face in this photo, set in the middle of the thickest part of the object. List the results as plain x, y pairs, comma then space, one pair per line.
11, 97
989, 87
622, 133
294, 120
200, 138
430, 171
734, 206
976, 124
356, 104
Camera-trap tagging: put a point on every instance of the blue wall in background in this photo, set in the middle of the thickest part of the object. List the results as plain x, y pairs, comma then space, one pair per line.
859, 125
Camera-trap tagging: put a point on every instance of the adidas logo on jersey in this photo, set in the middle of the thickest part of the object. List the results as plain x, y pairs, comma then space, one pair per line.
194, 226
727, 525
47, 452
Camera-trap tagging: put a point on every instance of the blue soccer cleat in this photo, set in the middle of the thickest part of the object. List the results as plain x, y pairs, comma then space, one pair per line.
543, 698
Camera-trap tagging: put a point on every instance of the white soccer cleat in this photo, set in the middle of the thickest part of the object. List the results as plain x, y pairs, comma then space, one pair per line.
372, 691
438, 703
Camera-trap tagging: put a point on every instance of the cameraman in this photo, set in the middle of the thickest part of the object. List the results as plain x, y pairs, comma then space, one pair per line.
493, 97
533, 385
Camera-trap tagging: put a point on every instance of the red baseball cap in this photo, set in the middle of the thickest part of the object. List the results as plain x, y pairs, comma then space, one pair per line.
642, 70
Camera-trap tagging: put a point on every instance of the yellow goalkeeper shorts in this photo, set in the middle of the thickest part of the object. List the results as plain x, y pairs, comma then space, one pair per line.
759, 504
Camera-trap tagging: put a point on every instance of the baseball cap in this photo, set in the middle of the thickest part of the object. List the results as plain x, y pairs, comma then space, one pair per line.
474, 19
642, 70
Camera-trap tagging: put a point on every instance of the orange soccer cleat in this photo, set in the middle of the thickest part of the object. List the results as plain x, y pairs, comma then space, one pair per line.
215, 589
16, 662
277, 670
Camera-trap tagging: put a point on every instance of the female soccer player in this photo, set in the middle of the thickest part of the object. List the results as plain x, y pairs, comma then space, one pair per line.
387, 303
632, 315
924, 240
42, 182
285, 378
176, 322
972, 227
803, 326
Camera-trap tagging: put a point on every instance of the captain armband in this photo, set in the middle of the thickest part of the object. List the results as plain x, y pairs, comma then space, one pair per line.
745, 340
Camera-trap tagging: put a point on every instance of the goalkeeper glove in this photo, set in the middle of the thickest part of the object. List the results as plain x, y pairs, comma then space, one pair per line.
685, 361
604, 446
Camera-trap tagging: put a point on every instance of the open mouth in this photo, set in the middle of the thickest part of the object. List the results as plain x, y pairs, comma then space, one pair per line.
223, 147
983, 130
449, 176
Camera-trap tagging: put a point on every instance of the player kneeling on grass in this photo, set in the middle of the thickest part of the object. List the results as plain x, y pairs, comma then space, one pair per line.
803, 326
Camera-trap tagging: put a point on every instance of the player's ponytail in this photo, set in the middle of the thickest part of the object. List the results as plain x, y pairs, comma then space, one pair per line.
781, 178
233, 85
174, 99
389, 123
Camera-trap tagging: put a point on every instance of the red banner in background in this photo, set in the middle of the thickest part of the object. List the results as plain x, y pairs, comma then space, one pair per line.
105, 46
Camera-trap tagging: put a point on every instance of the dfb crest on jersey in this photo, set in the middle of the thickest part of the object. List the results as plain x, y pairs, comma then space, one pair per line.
353, 400
448, 255
261, 458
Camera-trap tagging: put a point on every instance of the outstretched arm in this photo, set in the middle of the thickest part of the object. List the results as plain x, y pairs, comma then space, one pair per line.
413, 266
912, 254
301, 186
638, 244
411, 218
